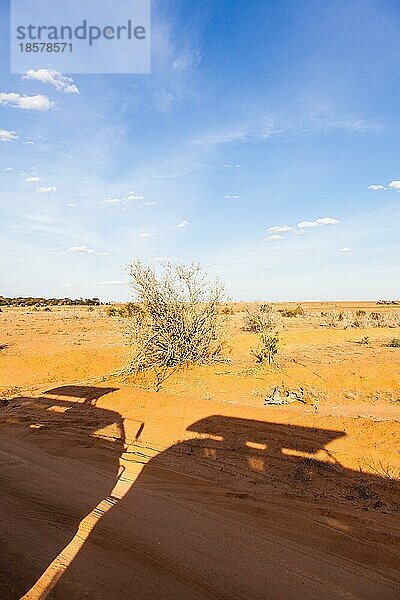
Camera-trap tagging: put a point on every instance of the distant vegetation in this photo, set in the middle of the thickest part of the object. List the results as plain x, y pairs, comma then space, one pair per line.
131, 309
30, 301
348, 319
394, 343
292, 312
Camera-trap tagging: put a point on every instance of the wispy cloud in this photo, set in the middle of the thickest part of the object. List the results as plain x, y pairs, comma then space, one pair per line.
85, 250
230, 165
46, 190
116, 282
236, 134
7, 136
346, 250
282, 123
58, 80
33, 179
231, 196
182, 224
131, 197
175, 58
15, 100
280, 229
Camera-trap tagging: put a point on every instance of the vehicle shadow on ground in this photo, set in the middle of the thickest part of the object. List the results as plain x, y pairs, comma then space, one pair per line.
212, 498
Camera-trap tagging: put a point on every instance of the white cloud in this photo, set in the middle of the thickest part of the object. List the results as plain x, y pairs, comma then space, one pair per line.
14, 100
58, 80
85, 250
230, 165
9, 169
33, 179
66, 285
7, 136
182, 224
304, 224
232, 197
145, 234
394, 185
28, 142
376, 188
46, 190
71, 204
280, 229
276, 230
346, 250
317, 222
327, 221
71, 89
132, 196
150, 203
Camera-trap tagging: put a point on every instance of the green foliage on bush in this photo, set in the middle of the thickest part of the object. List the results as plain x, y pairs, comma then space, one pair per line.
267, 348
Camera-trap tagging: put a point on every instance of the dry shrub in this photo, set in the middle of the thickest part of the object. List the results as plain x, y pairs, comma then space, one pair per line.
178, 320
227, 310
292, 312
261, 319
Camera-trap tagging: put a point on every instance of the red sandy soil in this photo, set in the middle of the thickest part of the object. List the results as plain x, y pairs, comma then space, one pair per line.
110, 490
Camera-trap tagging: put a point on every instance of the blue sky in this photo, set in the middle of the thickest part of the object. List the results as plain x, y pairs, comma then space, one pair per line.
250, 148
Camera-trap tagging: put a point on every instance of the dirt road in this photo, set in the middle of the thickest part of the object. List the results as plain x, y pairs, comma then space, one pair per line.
208, 517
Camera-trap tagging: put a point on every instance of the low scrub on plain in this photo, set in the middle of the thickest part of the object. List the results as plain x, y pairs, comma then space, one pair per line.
178, 322
260, 319
292, 312
361, 319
